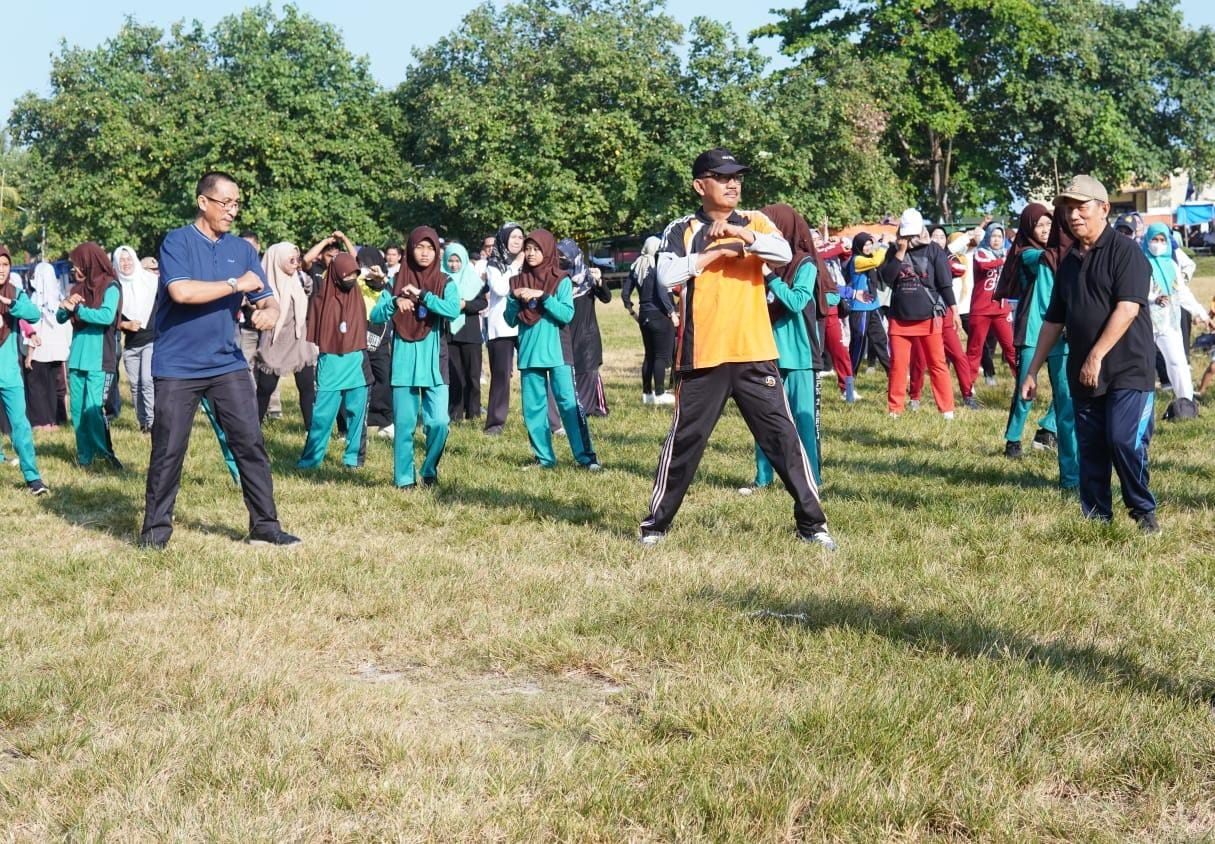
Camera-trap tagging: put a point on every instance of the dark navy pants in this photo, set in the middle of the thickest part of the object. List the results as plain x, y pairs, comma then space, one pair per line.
1115, 429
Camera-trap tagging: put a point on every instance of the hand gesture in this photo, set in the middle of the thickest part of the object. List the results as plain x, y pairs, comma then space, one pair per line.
1029, 388
404, 305
263, 319
1091, 371
249, 282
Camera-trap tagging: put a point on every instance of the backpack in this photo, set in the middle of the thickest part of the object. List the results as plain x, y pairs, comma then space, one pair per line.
1179, 409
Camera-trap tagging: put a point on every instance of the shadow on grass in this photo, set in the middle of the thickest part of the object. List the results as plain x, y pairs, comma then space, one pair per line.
1001, 473
97, 504
934, 632
580, 513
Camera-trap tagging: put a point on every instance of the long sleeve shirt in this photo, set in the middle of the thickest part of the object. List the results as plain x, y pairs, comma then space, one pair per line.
95, 339
540, 343
789, 329
415, 363
10, 353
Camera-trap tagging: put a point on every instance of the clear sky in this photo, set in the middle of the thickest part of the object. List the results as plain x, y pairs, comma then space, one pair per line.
381, 29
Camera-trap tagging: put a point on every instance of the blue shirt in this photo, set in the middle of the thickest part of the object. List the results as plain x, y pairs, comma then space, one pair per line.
199, 341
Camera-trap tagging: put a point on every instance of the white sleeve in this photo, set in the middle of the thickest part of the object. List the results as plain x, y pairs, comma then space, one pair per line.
773, 249
673, 270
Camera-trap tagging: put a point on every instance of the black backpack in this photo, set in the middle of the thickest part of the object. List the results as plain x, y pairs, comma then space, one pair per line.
1179, 409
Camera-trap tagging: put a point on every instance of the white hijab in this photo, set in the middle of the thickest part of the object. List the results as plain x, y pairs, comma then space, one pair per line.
138, 288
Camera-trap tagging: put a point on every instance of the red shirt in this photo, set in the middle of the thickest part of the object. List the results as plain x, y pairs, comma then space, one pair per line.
987, 273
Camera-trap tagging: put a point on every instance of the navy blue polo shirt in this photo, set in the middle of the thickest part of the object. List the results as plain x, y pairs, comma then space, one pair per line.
199, 341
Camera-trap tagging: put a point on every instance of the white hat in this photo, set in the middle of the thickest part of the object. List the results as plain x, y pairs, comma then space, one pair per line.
911, 223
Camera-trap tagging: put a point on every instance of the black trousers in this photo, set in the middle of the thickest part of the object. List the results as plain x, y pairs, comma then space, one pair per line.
305, 382
760, 396
235, 407
464, 381
379, 409
658, 338
501, 364
867, 339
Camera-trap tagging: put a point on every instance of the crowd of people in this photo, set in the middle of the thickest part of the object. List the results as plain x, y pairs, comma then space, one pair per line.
757, 306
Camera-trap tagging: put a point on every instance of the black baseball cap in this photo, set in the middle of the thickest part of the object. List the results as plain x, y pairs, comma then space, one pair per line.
717, 161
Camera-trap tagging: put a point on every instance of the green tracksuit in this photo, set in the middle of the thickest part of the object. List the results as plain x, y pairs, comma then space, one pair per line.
341, 385
542, 365
1060, 417
92, 365
12, 387
418, 383
796, 367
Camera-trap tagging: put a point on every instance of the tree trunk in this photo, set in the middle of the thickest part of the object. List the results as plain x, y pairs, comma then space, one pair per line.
940, 160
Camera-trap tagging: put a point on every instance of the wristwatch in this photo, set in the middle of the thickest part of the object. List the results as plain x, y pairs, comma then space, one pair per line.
232, 284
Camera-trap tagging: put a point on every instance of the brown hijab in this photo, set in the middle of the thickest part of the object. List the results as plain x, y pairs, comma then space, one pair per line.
337, 317
544, 276
1060, 241
8, 291
794, 228
409, 325
99, 274
1009, 285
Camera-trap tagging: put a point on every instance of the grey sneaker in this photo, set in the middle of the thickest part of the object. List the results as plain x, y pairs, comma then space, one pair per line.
915, 404
37, 487
1148, 524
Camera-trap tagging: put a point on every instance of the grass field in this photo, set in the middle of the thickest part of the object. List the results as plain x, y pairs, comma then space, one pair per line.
498, 659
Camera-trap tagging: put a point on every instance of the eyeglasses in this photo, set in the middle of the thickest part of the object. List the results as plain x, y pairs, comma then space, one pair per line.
722, 178
226, 204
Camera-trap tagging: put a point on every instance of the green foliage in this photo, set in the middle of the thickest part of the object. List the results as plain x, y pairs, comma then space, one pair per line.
277, 101
994, 99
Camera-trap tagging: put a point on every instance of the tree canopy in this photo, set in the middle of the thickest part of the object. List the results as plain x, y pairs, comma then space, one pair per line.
583, 116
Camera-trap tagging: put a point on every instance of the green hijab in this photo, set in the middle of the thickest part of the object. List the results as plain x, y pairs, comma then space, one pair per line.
467, 281
1164, 268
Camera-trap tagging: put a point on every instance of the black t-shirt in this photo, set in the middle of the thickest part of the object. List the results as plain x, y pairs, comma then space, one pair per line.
1087, 289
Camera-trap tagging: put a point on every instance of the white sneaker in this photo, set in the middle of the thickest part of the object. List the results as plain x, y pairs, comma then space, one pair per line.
647, 398
746, 490
386, 432
948, 415
990, 380
820, 538
915, 404
664, 399
856, 394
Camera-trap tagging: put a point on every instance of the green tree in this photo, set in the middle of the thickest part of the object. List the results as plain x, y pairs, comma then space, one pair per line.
279, 102
995, 99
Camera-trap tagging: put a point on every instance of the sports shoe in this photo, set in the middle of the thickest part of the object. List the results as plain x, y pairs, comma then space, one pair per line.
37, 487
153, 544
1148, 524
651, 537
1012, 449
820, 537
593, 466
971, 402
1044, 440
989, 380
947, 415
279, 538
386, 432
494, 431
664, 399
746, 490
915, 404
430, 480
647, 398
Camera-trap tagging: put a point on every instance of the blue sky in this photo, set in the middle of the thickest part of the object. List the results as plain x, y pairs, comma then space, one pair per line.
380, 29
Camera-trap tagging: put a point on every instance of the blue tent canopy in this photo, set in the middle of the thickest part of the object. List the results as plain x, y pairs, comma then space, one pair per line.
1194, 213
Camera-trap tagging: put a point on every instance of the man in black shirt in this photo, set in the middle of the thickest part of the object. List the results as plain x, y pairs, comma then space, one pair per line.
1101, 297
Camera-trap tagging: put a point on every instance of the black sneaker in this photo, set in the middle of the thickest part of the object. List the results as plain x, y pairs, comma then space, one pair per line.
37, 487
1044, 440
971, 403
280, 538
1148, 524
1012, 449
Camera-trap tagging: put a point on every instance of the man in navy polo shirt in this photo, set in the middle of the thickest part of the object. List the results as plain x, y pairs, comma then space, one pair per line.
1101, 297
205, 274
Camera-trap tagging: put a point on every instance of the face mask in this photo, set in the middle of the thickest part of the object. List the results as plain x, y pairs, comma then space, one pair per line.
346, 285
1158, 249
